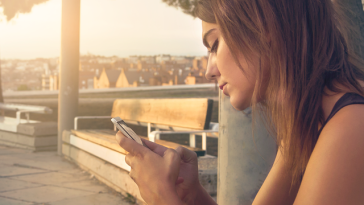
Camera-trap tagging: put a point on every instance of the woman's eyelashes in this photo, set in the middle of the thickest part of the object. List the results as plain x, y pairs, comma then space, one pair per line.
214, 46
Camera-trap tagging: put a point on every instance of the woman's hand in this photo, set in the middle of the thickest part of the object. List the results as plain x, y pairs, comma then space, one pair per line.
154, 170
188, 186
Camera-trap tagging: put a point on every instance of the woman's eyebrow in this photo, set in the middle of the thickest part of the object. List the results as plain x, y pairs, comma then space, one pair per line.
205, 37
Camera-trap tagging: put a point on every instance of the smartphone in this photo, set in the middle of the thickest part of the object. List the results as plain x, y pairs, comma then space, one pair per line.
127, 131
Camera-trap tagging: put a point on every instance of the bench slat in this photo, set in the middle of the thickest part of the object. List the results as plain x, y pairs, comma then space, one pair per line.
192, 113
107, 139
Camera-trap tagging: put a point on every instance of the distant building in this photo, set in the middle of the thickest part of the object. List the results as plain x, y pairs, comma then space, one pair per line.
133, 59
107, 79
86, 79
193, 79
105, 60
128, 78
204, 61
53, 82
162, 58
148, 59
181, 60
45, 82
50, 82
161, 77
199, 63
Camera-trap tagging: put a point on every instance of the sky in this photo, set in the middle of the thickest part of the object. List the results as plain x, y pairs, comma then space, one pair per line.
108, 27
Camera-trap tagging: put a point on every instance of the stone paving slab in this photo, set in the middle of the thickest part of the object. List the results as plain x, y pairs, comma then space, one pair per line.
7, 184
50, 162
94, 199
28, 178
6, 201
88, 185
11, 151
51, 178
45, 194
8, 171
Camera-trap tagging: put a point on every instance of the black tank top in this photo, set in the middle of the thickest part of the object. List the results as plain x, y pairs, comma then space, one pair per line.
345, 100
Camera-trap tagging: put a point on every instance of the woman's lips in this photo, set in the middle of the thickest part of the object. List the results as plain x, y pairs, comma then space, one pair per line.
222, 86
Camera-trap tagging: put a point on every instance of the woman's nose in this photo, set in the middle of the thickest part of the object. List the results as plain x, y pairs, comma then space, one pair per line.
212, 72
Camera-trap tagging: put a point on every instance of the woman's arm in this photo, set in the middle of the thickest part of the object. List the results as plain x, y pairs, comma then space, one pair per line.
335, 172
276, 189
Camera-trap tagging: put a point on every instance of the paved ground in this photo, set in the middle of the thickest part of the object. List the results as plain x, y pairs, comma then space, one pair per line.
47, 179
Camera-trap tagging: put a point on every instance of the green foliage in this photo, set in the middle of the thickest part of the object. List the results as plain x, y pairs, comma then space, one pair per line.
187, 6
23, 88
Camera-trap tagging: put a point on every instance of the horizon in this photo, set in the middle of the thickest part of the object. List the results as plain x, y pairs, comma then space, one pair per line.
94, 55
122, 28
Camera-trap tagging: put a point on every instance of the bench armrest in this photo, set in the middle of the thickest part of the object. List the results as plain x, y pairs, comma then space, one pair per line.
155, 135
89, 118
27, 112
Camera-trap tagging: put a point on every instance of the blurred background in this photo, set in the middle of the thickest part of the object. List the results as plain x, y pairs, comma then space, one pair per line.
65, 58
123, 44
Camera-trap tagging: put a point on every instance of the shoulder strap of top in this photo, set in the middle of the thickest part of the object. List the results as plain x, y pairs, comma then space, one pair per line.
345, 100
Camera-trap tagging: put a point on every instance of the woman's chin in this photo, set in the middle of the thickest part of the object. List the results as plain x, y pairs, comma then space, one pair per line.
239, 104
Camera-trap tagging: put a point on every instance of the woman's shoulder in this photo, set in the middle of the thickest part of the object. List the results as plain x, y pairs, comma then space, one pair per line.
335, 172
347, 124
342, 111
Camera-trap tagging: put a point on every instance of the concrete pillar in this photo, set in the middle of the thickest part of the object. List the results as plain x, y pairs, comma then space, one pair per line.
69, 61
243, 160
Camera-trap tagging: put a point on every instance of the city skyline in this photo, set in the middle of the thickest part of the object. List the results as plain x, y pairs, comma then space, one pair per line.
121, 28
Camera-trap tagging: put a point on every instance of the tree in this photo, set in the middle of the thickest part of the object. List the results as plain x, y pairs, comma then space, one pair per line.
187, 6
12, 7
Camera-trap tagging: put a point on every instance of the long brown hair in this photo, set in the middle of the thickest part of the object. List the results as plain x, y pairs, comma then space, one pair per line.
306, 45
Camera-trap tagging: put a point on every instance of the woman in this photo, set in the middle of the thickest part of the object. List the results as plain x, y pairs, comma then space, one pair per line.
291, 59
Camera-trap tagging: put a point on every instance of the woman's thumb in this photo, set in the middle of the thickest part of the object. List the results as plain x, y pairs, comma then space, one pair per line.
186, 154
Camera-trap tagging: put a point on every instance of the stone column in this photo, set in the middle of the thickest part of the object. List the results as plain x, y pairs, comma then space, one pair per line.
69, 67
243, 160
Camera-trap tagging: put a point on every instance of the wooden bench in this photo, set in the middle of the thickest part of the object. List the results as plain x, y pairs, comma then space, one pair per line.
91, 149
26, 133
173, 116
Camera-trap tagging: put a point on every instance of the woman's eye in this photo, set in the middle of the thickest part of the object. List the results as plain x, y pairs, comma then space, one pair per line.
214, 47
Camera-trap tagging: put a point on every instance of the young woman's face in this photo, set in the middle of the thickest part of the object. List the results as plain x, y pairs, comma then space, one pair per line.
221, 66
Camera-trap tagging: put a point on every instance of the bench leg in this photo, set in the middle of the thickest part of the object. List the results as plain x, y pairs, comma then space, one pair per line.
149, 128
157, 136
204, 138
192, 140
28, 117
152, 137
18, 117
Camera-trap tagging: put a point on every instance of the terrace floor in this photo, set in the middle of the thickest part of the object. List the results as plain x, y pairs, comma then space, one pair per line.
46, 178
